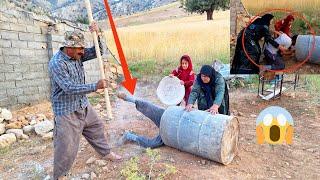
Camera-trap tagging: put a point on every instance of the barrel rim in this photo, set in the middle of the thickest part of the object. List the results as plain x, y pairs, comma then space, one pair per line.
228, 160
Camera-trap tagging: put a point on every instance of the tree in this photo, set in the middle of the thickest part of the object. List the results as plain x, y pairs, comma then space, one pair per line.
201, 6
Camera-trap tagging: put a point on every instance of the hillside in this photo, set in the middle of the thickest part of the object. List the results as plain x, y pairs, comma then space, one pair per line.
74, 10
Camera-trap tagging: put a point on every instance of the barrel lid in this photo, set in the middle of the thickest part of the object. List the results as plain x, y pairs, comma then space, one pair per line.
170, 91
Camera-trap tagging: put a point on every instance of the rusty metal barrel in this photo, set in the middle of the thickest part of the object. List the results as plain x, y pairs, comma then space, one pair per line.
214, 137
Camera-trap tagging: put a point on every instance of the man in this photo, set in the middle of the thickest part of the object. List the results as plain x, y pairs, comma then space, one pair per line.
73, 113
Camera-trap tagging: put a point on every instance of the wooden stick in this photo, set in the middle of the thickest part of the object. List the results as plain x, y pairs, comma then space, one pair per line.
102, 74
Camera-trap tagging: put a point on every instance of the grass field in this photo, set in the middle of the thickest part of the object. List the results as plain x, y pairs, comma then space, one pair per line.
308, 8
155, 48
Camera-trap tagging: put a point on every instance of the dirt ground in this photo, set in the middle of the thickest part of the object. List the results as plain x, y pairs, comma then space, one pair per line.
33, 159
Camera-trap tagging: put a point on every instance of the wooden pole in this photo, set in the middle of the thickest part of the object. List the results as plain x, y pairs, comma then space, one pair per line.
102, 74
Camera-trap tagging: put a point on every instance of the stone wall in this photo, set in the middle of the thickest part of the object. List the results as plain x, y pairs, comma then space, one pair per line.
27, 43
237, 13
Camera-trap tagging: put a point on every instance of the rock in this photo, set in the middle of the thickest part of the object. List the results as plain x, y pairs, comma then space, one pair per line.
48, 136
33, 122
203, 162
1, 119
7, 139
101, 163
253, 115
12, 120
98, 106
21, 118
6, 114
2, 128
41, 117
44, 127
93, 175
240, 114
17, 132
85, 176
105, 169
119, 69
287, 176
24, 136
114, 85
47, 177
91, 160
14, 125
28, 129
113, 70
172, 160
30, 117
24, 122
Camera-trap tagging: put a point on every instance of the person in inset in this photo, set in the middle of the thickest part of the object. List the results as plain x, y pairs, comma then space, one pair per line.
73, 114
186, 75
273, 56
285, 25
257, 30
210, 91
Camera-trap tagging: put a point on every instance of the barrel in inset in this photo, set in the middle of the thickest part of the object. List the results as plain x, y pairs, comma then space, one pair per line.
200, 133
303, 47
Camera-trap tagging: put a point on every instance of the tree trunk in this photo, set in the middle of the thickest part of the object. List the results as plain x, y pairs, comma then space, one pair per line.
209, 14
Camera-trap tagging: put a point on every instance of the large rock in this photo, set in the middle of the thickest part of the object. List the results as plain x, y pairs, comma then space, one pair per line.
2, 128
7, 139
17, 132
28, 129
48, 136
44, 127
14, 125
6, 114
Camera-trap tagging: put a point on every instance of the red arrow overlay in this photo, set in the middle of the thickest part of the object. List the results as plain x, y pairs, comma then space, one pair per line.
129, 83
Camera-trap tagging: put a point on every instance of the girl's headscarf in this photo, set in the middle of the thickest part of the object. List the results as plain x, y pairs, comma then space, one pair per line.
288, 19
186, 57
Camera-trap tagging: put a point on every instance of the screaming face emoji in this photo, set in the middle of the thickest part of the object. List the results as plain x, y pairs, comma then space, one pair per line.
274, 127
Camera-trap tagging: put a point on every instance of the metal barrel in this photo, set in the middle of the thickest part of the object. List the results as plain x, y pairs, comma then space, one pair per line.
200, 133
304, 46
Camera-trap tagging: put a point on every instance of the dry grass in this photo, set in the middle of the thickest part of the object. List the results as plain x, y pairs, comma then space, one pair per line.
296, 5
163, 43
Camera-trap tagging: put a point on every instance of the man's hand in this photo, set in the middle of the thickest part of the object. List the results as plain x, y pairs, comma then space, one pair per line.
214, 109
102, 84
188, 107
181, 82
94, 27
